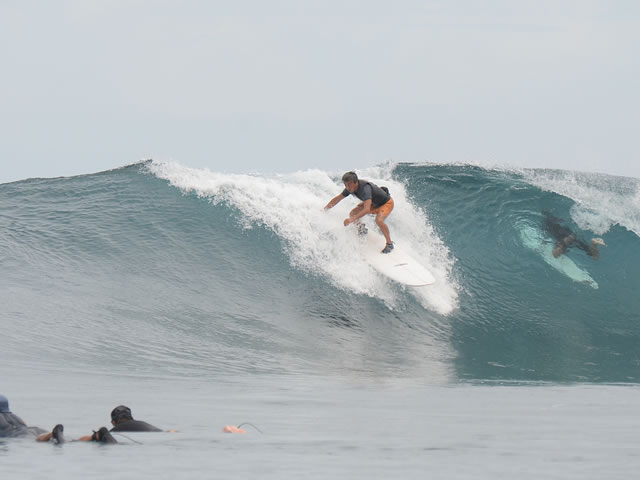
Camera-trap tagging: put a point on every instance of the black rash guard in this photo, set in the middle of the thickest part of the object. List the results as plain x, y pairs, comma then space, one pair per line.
135, 426
367, 190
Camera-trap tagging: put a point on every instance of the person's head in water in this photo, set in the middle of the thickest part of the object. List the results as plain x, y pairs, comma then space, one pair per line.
121, 414
350, 180
4, 404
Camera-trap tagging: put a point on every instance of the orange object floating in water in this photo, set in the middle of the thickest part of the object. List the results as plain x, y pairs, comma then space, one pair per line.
232, 429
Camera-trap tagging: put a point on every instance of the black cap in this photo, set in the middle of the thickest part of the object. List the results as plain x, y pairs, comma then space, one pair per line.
121, 413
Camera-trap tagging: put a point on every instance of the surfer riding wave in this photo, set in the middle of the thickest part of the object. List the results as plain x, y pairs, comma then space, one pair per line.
375, 200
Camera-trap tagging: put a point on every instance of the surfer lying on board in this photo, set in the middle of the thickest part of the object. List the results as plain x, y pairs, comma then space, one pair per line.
121, 419
11, 425
565, 238
375, 200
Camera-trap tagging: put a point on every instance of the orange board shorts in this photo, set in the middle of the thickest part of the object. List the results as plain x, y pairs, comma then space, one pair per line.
385, 209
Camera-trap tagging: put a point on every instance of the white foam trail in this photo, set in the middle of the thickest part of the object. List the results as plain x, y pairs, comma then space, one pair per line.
601, 200
316, 241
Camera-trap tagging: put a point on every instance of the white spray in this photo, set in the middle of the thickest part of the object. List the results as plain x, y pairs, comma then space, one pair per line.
316, 241
601, 200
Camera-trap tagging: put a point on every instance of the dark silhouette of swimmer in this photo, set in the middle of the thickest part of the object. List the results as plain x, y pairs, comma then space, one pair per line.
11, 425
122, 421
566, 239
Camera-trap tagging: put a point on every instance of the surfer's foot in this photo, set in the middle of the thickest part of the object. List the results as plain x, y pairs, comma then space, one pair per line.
388, 247
103, 436
362, 229
56, 434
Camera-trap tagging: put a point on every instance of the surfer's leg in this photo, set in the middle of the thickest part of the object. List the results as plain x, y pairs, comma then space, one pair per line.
381, 214
101, 436
56, 435
559, 249
563, 245
44, 437
383, 228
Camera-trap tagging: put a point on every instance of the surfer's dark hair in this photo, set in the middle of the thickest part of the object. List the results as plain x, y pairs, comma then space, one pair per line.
349, 177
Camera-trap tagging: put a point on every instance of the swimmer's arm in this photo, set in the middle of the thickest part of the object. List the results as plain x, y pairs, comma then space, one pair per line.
334, 201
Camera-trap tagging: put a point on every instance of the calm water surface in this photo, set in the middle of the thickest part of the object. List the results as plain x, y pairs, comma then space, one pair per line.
320, 428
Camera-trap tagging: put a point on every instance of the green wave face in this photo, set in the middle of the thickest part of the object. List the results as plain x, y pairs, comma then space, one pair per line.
175, 271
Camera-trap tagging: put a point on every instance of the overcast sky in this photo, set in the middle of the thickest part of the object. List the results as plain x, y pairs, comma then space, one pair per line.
280, 86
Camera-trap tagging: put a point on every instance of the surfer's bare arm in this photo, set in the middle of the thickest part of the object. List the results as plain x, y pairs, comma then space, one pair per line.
358, 212
334, 201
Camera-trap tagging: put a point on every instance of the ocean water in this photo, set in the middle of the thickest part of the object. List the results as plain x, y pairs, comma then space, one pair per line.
203, 299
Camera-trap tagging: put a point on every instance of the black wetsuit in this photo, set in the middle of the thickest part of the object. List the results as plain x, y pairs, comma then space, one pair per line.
135, 426
367, 190
12, 425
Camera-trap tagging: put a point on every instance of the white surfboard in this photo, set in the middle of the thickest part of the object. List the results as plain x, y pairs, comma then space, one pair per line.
397, 265
535, 240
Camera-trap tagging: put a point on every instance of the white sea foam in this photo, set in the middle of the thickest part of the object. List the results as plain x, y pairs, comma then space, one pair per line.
601, 200
315, 241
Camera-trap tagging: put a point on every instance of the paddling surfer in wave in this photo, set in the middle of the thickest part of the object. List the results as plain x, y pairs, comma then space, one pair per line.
565, 238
